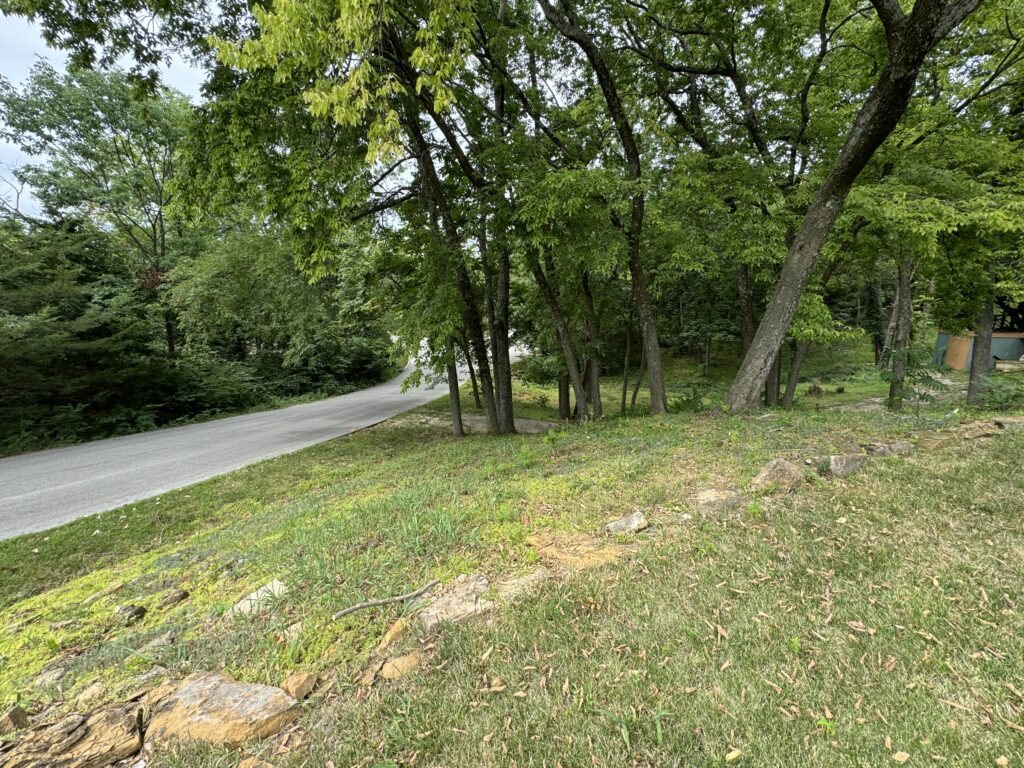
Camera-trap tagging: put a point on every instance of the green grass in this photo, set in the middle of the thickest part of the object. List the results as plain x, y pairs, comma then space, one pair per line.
626, 664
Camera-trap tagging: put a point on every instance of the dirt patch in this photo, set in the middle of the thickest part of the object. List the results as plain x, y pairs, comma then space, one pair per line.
576, 553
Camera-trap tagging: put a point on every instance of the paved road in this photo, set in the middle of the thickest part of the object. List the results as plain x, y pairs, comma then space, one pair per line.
45, 489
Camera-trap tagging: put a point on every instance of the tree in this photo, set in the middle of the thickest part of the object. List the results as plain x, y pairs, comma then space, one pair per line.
109, 156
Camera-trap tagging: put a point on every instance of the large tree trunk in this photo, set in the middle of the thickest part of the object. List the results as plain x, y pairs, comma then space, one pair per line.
901, 339
910, 38
799, 352
564, 408
564, 340
773, 382
453, 394
500, 347
981, 356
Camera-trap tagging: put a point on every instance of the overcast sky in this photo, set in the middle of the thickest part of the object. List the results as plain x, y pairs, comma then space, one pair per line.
21, 45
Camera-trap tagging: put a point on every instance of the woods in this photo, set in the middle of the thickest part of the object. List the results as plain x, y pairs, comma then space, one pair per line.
600, 183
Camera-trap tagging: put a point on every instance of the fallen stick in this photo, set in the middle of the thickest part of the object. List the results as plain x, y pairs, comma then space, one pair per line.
386, 600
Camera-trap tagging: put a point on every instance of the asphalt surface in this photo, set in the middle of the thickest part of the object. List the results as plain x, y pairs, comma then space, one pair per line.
45, 489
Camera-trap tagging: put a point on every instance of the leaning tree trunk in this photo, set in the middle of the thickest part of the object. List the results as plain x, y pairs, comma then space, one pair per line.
910, 37
746, 296
564, 340
901, 336
981, 356
773, 382
799, 352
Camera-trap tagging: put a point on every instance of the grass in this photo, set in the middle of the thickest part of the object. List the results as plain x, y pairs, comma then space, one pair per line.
840, 626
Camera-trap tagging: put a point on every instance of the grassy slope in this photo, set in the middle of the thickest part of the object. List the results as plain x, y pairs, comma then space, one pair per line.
625, 664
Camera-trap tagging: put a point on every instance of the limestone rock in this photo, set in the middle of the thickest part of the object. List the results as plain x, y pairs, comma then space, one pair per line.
92, 694
96, 740
13, 719
898, 448
158, 642
253, 602
212, 707
58, 626
129, 614
712, 500
845, 464
459, 602
174, 597
395, 632
50, 676
778, 475
1009, 422
630, 524
517, 587
401, 666
299, 684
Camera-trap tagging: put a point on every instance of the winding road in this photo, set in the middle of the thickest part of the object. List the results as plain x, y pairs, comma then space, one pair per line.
45, 489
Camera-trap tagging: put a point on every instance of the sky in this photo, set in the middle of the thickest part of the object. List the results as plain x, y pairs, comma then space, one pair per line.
21, 45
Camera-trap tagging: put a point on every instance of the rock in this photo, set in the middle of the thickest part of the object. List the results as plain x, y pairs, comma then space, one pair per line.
158, 642
718, 500
889, 449
401, 665
129, 614
977, 431
212, 707
631, 524
576, 553
517, 587
57, 626
174, 597
50, 676
253, 602
105, 592
845, 464
152, 674
459, 602
97, 740
13, 719
1009, 422
91, 695
778, 475
935, 440
395, 632
299, 684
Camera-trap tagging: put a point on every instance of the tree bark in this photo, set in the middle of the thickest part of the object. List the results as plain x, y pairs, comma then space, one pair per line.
773, 382
981, 355
454, 396
564, 340
910, 37
799, 352
464, 347
564, 411
901, 338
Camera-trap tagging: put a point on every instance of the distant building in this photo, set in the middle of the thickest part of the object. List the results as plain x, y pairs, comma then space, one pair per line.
955, 350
